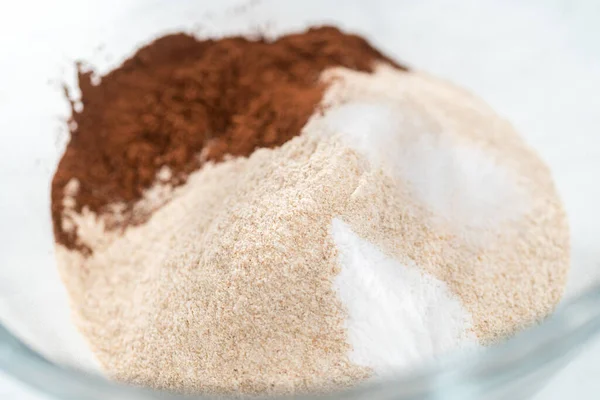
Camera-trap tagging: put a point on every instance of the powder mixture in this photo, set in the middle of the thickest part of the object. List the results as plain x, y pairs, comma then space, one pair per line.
249, 216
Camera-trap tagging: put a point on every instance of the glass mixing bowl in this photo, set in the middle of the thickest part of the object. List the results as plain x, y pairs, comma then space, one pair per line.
536, 63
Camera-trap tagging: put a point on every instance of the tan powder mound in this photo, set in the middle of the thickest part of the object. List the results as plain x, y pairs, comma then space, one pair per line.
241, 299
228, 287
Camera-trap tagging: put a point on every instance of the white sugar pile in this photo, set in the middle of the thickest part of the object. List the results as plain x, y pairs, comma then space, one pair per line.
398, 316
456, 182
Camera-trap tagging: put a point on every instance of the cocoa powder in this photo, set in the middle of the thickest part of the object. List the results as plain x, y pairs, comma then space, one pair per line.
180, 102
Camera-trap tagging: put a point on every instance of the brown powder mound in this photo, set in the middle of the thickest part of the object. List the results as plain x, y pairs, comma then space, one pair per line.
180, 102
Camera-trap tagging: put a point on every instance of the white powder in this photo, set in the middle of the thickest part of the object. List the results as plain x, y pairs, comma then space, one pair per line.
398, 316
438, 139
455, 181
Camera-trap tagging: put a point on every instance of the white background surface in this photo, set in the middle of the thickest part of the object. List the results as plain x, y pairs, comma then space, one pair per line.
537, 62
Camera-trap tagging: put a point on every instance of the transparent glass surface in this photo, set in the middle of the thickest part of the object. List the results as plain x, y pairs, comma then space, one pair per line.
536, 63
